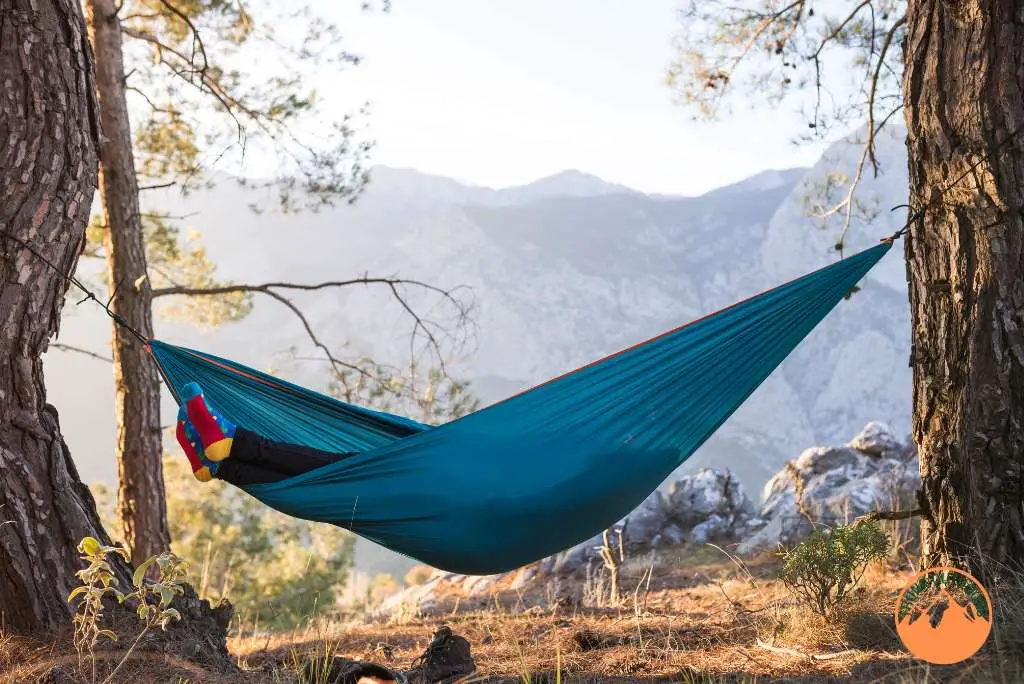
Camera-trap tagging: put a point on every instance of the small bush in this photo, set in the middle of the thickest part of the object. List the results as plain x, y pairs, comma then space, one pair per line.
278, 571
828, 564
418, 575
150, 599
381, 587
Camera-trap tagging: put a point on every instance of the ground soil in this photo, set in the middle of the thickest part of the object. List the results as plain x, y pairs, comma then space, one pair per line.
699, 619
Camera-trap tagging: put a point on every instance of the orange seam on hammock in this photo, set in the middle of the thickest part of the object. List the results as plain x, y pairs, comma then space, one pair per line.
238, 372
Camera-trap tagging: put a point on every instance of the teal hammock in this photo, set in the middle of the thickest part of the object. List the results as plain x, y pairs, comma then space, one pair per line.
539, 472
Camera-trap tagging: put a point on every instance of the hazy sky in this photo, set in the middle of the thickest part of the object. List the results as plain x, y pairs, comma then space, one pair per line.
501, 92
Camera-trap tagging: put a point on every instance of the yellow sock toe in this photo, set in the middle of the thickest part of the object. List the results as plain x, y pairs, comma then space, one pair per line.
218, 451
203, 474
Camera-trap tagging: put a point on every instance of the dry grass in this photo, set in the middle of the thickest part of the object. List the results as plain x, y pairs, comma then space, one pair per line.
55, 660
700, 619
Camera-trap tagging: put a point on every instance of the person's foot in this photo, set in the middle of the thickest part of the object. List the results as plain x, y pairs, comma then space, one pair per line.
188, 439
215, 432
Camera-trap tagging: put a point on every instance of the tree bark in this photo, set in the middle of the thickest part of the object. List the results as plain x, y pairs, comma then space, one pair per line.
49, 134
965, 264
141, 502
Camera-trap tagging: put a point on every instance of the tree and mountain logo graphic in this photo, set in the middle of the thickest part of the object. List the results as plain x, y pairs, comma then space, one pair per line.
943, 615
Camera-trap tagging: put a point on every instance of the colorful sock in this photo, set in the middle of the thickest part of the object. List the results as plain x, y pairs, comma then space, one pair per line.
188, 439
215, 431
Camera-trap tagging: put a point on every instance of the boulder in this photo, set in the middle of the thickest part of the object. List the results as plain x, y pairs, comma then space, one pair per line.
477, 585
873, 472
671, 535
646, 522
709, 505
818, 460
418, 600
877, 439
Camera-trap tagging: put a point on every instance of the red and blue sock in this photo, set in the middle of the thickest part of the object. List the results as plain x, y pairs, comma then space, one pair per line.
215, 431
188, 439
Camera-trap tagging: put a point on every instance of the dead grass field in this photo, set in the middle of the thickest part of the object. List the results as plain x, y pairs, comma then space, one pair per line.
700, 619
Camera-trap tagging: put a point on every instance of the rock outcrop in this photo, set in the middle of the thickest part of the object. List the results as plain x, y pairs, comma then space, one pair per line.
707, 506
837, 484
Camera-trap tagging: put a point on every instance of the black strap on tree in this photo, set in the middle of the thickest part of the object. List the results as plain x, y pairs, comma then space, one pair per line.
89, 294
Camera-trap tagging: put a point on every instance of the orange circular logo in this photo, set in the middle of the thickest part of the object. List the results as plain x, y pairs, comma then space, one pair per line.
943, 615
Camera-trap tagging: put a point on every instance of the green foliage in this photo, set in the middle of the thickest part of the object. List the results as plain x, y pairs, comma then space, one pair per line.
840, 62
435, 399
381, 587
276, 570
173, 260
98, 581
176, 260
444, 399
418, 575
823, 569
150, 598
198, 104
833, 58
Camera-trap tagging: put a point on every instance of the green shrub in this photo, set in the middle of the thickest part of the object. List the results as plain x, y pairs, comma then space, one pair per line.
276, 570
150, 599
822, 569
418, 575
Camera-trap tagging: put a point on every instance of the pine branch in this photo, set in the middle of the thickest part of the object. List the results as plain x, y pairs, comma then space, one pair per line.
421, 325
158, 186
197, 39
868, 152
766, 22
314, 171
873, 93
144, 96
78, 350
889, 515
828, 40
205, 84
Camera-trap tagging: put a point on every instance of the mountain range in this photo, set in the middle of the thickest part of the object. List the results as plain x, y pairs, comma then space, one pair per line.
562, 271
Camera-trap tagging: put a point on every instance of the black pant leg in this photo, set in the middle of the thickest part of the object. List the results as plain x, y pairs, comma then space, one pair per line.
240, 473
287, 459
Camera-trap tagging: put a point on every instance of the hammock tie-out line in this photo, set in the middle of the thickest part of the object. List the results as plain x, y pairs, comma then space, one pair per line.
538, 472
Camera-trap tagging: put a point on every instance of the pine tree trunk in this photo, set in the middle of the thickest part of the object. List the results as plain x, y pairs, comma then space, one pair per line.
49, 133
962, 91
141, 502
49, 125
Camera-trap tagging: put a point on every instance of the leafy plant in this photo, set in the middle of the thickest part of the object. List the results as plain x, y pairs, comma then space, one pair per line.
275, 569
823, 569
418, 575
98, 582
151, 598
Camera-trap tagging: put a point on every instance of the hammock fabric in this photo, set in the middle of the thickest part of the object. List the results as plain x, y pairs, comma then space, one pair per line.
539, 472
